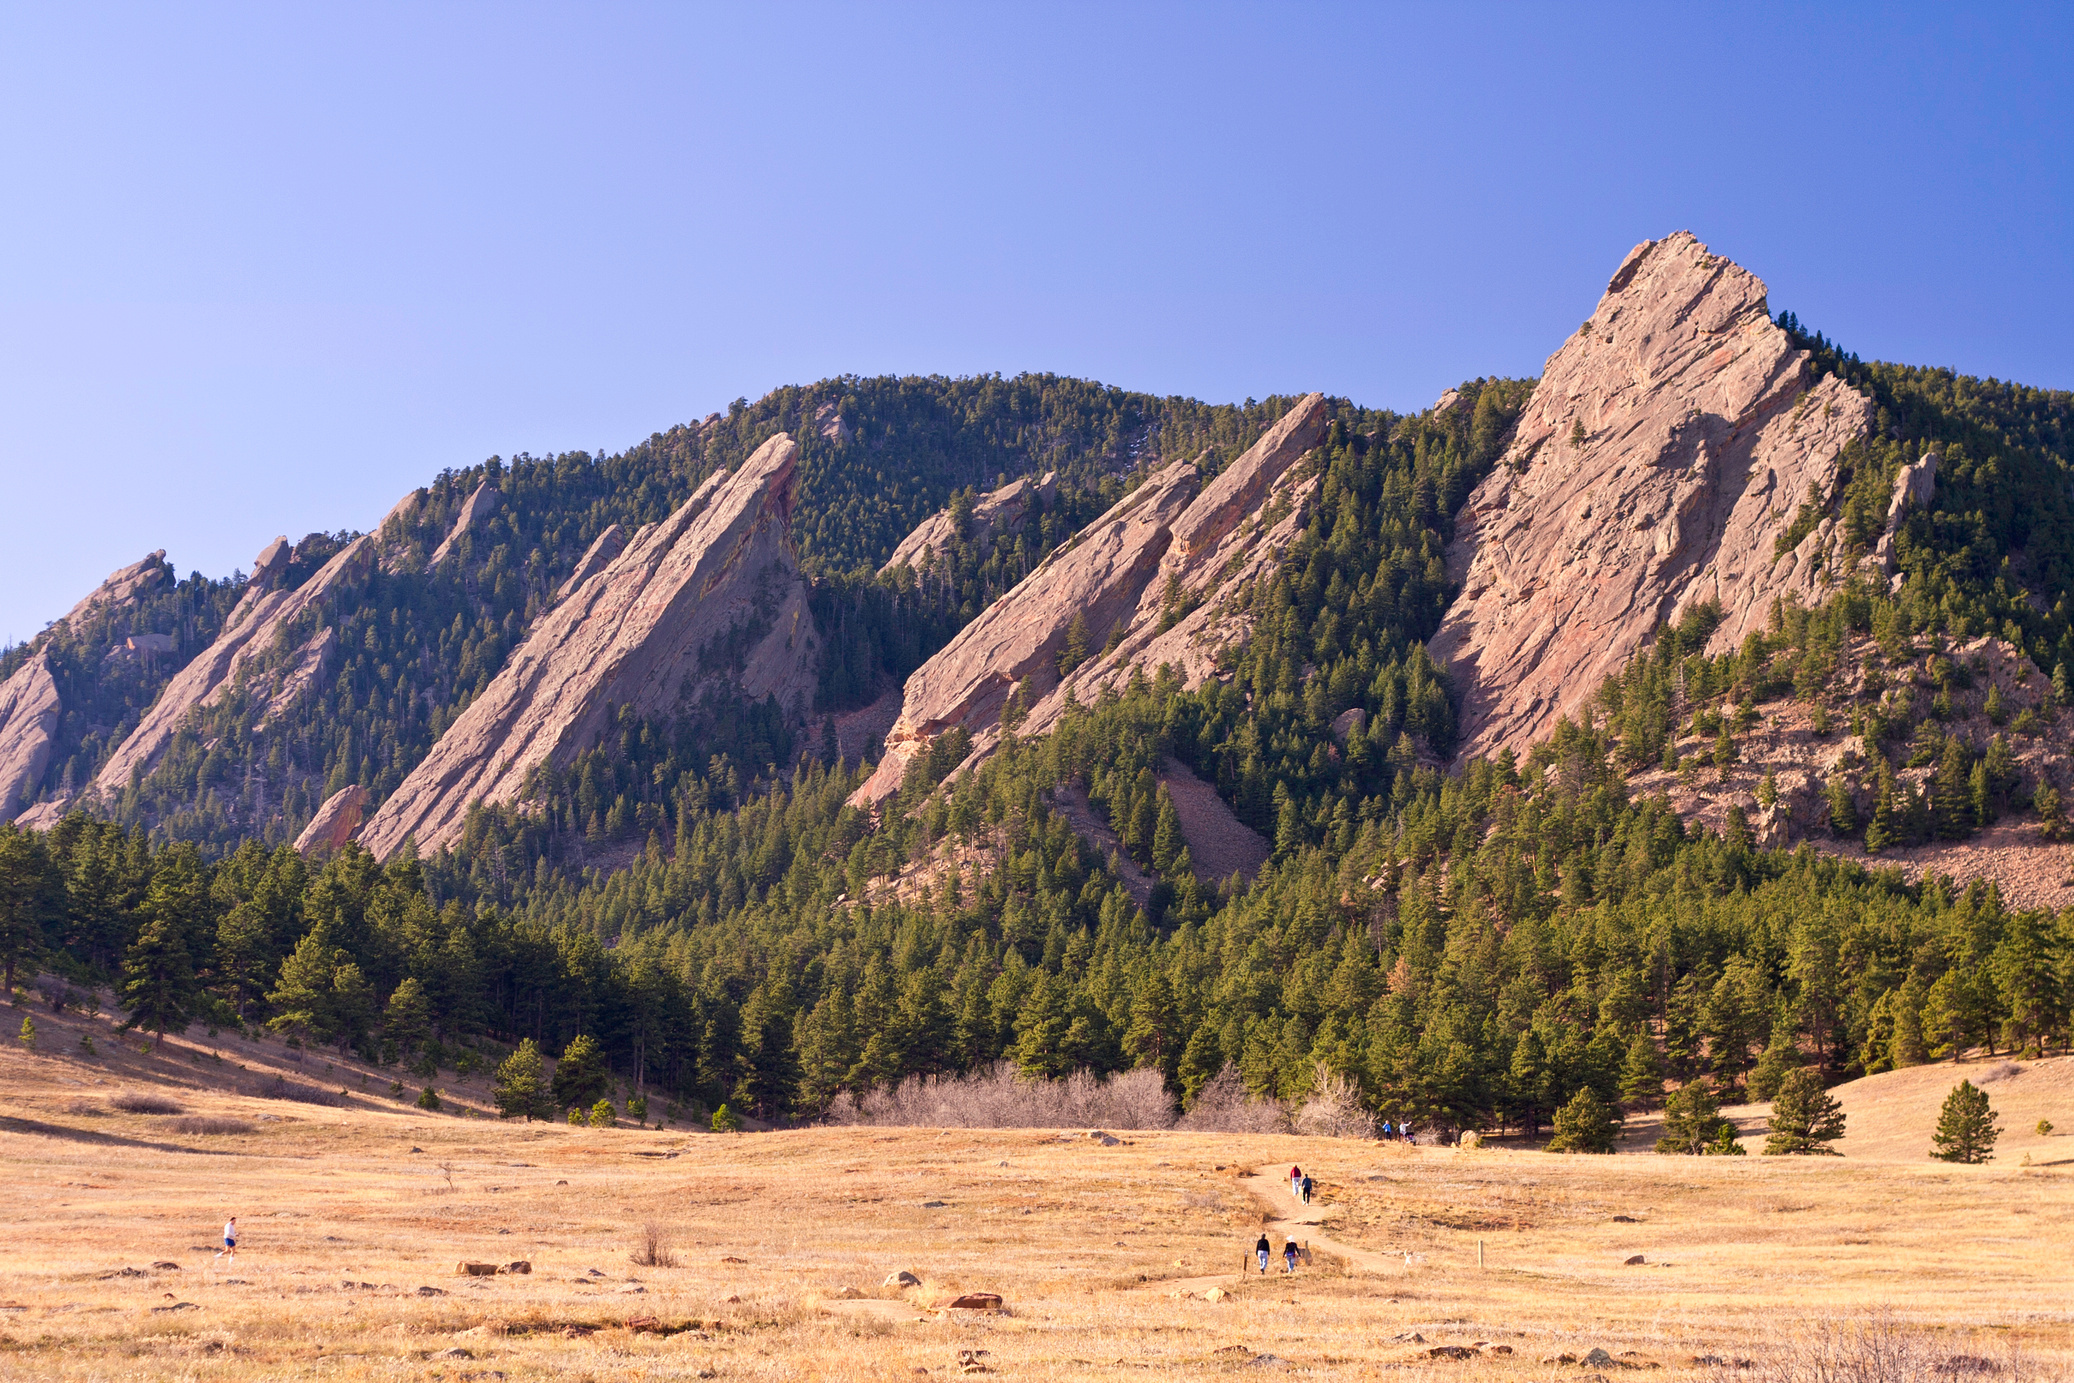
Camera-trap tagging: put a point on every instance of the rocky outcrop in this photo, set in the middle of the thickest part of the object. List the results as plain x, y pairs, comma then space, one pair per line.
479, 506
334, 823
829, 421
996, 510
248, 637
125, 584
711, 598
598, 556
271, 565
1914, 485
1146, 579
29, 713
1666, 451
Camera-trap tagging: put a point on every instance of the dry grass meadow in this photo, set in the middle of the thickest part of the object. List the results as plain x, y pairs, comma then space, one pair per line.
1109, 1258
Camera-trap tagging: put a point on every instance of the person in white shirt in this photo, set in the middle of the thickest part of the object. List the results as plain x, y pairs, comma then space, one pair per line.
230, 1240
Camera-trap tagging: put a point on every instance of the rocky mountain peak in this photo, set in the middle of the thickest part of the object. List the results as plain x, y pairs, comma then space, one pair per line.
1665, 452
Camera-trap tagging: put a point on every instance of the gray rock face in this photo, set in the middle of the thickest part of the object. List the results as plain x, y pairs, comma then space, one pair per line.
1914, 486
334, 823
595, 559
478, 507
1116, 574
272, 563
1667, 448
997, 509
720, 568
29, 713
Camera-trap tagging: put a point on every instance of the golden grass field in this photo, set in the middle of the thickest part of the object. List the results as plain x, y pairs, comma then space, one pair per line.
1103, 1254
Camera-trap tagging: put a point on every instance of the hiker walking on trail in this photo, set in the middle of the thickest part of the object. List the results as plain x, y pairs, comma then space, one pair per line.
1296, 1181
230, 1240
1308, 1184
1289, 1256
1262, 1251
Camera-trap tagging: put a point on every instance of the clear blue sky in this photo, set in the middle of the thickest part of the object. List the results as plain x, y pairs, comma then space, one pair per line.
264, 269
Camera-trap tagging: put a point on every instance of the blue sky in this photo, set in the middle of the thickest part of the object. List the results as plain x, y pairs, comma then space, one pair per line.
264, 269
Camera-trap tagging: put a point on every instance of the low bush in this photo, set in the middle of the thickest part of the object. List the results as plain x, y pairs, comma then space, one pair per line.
1000, 1097
143, 1102
206, 1123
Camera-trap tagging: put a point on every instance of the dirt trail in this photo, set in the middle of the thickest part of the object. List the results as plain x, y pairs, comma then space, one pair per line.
1300, 1222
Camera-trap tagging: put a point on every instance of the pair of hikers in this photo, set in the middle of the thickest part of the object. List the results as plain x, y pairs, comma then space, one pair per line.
1264, 1250
1300, 1186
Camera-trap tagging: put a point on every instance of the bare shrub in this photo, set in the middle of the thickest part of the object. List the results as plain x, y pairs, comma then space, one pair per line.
653, 1248
1334, 1108
283, 1089
2001, 1070
1872, 1349
207, 1123
143, 1102
1001, 1097
84, 1107
1224, 1105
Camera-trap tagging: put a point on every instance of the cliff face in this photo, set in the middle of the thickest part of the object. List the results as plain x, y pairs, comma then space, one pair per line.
248, 635
1002, 508
1133, 576
30, 707
29, 712
1667, 448
718, 572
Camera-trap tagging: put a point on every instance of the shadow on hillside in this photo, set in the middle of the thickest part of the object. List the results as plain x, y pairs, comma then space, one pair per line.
10, 1123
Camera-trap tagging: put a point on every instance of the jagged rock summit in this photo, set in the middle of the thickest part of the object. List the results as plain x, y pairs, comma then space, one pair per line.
1662, 457
1144, 577
719, 572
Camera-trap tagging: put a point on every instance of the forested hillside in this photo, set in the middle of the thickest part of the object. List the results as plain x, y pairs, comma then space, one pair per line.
1473, 949
417, 642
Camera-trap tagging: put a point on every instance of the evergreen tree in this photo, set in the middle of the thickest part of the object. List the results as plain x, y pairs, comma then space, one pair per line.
1843, 807
1781, 1055
580, 1076
1587, 1124
1884, 830
158, 985
1805, 1117
1075, 651
1966, 1130
519, 1089
1642, 1073
407, 1021
30, 895
1692, 1120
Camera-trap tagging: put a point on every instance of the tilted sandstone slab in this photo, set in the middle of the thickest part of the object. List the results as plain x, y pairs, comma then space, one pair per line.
124, 585
474, 510
598, 556
1668, 446
334, 823
29, 714
995, 510
646, 632
248, 637
1169, 544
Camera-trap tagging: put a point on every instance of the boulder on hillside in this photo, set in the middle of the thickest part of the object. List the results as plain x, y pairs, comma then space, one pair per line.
1661, 462
720, 571
334, 823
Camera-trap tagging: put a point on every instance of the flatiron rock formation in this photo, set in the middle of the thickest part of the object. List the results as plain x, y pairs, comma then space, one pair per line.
1666, 450
124, 585
474, 510
596, 558
248, 637
997, 509
29, 713
718, 574
334, 823
1115, 573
